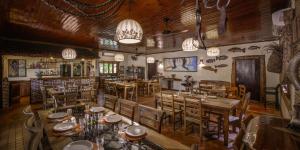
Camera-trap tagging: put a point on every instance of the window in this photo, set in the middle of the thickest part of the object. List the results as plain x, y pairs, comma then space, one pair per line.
108, 67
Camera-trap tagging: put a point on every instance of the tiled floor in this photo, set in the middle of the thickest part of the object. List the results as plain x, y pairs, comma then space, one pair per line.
11, 127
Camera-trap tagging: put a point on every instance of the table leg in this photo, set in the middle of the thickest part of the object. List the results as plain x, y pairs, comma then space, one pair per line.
148, 89
136, 94
125, 92
226, 127
234, 114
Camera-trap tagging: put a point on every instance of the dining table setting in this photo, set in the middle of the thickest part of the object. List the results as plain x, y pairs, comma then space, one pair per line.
97, 128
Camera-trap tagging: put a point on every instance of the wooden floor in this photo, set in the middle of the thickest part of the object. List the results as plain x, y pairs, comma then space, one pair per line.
11, 126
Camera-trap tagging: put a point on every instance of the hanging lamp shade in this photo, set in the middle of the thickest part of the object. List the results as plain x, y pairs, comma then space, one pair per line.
213, 51
119, 57
129, 31
69, 53
150, 60
190, 44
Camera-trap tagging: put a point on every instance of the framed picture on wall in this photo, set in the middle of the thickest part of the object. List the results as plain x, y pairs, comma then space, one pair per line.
181, 64
77, 69
16, 68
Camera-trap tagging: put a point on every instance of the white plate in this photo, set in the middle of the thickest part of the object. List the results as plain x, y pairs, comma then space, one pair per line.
113, 118
57, 115
135, 130
79, 145
211, 96
64, 126
97, 109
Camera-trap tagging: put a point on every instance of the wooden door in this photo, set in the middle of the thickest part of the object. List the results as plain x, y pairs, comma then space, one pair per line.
152, 70
248, 74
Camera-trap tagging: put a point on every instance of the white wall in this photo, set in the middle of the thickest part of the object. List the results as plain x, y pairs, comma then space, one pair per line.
272, 79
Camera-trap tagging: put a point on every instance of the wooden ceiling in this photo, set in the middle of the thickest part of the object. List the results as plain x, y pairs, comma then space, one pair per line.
39, 21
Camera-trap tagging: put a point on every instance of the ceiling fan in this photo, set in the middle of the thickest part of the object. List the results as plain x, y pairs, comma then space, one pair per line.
135, 57
167, 31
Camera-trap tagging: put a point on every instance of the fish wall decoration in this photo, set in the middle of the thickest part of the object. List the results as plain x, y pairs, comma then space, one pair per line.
237, 49
253, 47
221, 66
222, 57
210, 61
210, 68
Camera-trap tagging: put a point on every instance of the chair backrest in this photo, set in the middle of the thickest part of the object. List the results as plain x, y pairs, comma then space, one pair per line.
127, 108
71, 94
192, 108
150, 117
110, 101
44, 93
245, 104
167, 101
111, 88
242, 91
27, 110
86, 94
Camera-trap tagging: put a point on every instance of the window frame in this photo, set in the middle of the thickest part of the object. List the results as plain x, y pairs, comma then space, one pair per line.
110, 63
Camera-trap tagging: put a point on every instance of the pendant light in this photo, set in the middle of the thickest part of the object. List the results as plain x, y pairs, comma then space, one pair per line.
190, 44
150, 60
119, 57
69, 53
129, 31
213, 51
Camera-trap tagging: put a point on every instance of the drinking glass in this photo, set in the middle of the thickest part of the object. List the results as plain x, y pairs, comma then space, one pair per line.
69, 112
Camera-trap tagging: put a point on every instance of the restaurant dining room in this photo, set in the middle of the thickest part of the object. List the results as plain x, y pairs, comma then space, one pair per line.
150, 75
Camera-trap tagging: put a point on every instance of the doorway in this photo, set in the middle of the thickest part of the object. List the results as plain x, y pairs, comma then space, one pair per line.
250, 71
152, 69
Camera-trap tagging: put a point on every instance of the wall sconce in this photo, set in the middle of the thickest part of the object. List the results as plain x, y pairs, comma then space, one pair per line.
201, 64
160, 66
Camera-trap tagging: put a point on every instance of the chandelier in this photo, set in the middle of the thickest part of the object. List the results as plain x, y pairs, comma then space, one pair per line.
150, 60
119, 57
69, 53
190, 44
213, 51
129, 31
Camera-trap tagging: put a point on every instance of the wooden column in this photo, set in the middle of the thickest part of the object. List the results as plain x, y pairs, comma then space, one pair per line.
1, 74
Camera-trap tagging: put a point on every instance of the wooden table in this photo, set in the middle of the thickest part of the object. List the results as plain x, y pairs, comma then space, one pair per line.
148, 82
219, 105
126, 86
171, 82
222, 106
57, 143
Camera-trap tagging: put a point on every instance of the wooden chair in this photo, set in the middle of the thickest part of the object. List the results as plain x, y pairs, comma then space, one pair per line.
71, 95
141, 88
193, 113
236, 121
111, 89
150, 117
232, 92
28, 111
86, 96
168, 106
110, 101
132, 93
127, 108
155, 88
46, 101
242, 92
